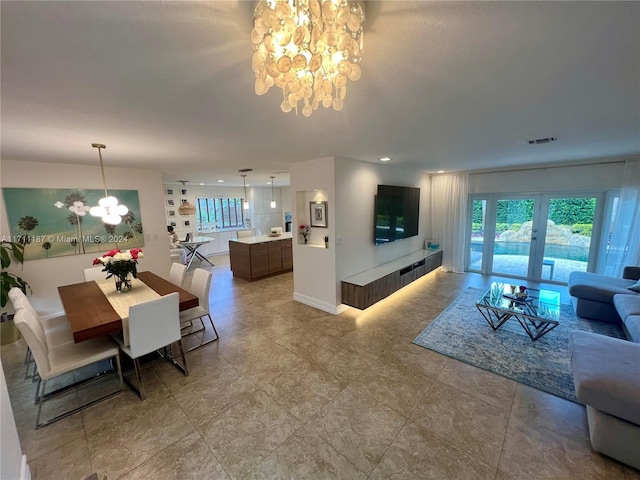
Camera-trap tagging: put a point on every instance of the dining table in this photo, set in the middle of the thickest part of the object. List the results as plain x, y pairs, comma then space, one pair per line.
192, 246
95, 309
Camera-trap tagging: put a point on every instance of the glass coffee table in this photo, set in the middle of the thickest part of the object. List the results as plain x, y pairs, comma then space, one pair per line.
537, 314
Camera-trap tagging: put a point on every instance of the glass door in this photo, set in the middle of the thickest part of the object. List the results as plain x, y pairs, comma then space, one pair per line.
567, 246
535, 237
514, 233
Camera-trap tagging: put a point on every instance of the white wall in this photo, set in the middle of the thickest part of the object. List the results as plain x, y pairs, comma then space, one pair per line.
314, 267
591, 177
350, 187
356, 187
262, 217
45, 275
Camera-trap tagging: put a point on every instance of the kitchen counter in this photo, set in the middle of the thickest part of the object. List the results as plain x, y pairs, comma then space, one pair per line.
261, 256
261, 238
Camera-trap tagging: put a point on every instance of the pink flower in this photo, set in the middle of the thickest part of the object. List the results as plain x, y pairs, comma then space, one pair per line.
111, 253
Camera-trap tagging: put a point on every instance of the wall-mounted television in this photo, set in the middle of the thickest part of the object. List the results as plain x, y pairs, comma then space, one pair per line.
397, 210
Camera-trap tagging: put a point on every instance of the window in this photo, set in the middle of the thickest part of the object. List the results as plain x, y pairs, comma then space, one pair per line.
215, 213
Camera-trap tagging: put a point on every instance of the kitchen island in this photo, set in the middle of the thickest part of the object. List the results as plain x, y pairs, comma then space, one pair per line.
261, 256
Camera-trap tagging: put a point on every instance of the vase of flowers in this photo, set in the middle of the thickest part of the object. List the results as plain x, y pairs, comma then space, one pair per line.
121, 266
305, 231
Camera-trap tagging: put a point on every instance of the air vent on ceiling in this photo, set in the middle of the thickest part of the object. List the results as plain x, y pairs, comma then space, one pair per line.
539, 141
242, 170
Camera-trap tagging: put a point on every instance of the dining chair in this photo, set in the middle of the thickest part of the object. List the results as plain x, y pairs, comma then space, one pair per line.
54, 362
244, 233
200, 286
153, 325
177, 274
188, 237
56, 329
94, 273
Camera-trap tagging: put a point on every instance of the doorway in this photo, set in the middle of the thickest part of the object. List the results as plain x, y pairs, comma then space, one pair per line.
541, 237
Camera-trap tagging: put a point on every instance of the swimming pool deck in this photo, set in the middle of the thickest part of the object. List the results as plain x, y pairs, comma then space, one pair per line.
516, 265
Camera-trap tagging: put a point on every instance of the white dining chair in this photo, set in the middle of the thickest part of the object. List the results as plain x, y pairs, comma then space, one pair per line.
54, 362
153, 325
56, 329
177, 274
200, 286
94, 273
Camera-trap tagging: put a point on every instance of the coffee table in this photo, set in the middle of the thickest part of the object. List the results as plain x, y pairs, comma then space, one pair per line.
538, 314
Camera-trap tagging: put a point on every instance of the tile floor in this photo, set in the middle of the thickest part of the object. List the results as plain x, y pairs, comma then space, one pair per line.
292, 392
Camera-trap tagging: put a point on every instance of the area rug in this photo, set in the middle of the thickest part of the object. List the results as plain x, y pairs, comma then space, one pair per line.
461, 332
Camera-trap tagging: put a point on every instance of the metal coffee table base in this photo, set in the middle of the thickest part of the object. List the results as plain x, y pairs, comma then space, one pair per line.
535, 327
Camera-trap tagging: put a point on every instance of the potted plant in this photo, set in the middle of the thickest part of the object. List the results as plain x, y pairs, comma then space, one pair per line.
7, 282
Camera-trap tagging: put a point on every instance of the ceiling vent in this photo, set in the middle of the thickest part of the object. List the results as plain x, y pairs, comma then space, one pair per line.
540, 141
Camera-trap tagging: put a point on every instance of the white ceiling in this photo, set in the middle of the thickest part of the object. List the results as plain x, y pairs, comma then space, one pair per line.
445, 86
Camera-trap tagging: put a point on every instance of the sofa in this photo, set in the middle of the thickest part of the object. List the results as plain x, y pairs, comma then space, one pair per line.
592, 293
606, 371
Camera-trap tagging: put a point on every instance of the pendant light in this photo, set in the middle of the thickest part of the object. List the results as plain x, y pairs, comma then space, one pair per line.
108, 207
273, 201
245, 203
185, 207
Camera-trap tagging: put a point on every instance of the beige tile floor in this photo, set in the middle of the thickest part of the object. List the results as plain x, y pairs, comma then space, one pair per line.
292, 392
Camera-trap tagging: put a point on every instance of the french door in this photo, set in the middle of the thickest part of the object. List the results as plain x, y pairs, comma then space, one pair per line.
542, 237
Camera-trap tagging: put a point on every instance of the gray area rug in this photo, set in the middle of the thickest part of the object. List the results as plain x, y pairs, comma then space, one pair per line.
461, 332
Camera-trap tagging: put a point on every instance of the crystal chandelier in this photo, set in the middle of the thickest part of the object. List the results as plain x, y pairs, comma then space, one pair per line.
108, 207
309, 49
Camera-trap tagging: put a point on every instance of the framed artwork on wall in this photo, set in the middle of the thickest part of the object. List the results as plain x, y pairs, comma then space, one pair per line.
318, 214
169, 191
186, 223
172, 213
173, 224
170, 202
55, 222
183, 191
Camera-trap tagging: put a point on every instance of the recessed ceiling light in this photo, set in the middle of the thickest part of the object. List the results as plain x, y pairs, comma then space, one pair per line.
268, 183
385, 159
440, 171
202, 184
220, 181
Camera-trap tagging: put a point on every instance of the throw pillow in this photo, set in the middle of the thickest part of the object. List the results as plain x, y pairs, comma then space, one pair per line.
635, 287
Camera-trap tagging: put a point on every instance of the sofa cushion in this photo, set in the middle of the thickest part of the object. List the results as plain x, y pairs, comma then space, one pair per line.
627, 305
632, 322
596, 287
606, 374
635, 287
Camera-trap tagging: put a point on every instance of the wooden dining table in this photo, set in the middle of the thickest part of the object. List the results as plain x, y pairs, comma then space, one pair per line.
91, 313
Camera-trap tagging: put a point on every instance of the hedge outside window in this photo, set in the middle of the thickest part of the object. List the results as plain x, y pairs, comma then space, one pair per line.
220, 212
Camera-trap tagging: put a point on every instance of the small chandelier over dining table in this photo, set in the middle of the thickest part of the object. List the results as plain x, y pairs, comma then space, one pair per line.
108, 207
309, 49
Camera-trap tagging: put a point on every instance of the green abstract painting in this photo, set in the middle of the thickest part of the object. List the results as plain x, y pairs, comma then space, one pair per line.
52, 222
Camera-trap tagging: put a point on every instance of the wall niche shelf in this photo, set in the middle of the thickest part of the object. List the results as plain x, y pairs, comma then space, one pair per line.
366, 288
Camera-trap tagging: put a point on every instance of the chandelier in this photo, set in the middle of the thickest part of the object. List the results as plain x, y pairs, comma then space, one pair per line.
309, 49
108, 207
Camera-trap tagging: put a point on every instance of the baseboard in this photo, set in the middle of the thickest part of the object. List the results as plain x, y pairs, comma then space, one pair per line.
324, 306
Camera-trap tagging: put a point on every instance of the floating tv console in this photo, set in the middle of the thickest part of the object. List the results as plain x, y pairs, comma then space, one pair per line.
371, 286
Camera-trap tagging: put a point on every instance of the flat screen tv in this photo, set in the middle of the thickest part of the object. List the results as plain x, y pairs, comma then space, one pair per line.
397, 210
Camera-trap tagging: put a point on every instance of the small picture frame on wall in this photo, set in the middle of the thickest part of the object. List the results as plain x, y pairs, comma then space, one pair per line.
183, 200
318, 214
172, 213
169, 191
170, 202
173, 224
186, 223
183, 191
